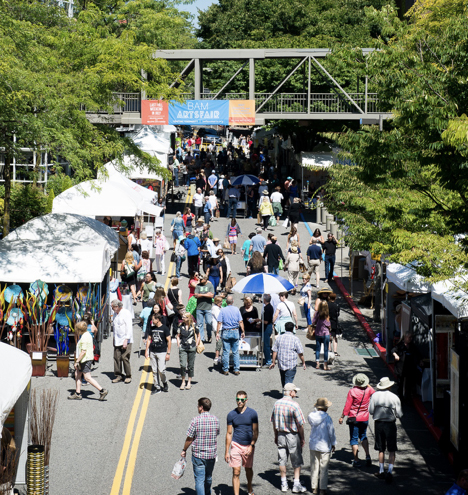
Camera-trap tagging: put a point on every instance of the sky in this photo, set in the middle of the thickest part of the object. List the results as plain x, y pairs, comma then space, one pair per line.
197, 4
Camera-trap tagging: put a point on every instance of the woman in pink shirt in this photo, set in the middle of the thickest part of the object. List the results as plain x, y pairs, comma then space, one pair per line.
357, 410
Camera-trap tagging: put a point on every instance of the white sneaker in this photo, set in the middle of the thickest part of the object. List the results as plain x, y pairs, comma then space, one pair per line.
284, 487
298, 488
215, 361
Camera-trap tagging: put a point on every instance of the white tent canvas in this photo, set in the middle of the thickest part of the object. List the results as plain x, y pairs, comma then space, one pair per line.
94, 198
15, 373
455, 300
134, 172
405, 278
310, 159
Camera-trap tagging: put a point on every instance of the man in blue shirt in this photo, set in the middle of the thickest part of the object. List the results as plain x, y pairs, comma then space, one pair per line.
229, 321
258, 242
213, 182
461, 486
192, 245
314, 258
241, 436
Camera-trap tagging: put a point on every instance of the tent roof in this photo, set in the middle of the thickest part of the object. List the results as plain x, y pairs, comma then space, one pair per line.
310, 159
121, 177
405, 278
95, 198
134, 171
65, 227
455, 300
15, 373
422, 307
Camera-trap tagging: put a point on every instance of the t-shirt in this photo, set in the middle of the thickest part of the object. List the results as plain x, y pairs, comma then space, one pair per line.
230, 317
285, 308
273, 253
246, 316
198, 200
242, 425
204, 302
86, 344
187, 336
145, 314
246, 248
268, 313
314, 252
258, 243
276, 197
158, 337
329, 247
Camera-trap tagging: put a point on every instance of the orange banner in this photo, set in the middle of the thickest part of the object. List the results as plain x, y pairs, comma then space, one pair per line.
242, 112
154, 112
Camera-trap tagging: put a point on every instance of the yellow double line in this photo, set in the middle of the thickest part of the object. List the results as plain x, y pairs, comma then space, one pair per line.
143, 392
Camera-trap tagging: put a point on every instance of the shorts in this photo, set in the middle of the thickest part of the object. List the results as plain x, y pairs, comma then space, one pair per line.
357, 431
313, 265
233, 239
289, 444
86, 367
385, 436
239, 457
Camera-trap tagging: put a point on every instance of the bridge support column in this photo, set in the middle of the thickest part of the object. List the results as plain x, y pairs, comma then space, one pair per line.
198, 78
252, 79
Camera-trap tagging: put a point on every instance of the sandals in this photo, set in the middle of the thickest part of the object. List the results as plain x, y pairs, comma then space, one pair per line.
188, 386
182, 387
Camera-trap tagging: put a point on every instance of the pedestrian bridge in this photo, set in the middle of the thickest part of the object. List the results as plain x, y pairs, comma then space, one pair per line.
337, 104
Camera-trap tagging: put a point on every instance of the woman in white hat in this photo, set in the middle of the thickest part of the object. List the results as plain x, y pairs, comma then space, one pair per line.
357, 410
322, 443
293, 267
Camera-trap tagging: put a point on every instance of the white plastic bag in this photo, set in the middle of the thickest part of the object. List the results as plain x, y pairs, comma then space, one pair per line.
179, 468
286, 223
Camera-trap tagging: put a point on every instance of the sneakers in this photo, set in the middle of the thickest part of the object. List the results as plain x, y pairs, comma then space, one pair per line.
368, 461
117, 379
284, 486
166, 387
103, 393
128, 380
356, 464
298, 488
75, 396
156, 390
215, 361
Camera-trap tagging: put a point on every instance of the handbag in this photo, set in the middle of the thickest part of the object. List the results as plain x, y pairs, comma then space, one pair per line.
226, 244
353, 420
311, 332
200, 348
129, 270
173, 258
301, 301
281, 265
272, 221
259, 218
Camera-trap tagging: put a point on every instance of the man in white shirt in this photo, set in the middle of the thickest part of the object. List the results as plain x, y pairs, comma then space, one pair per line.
198, 203
123, 340
175, 171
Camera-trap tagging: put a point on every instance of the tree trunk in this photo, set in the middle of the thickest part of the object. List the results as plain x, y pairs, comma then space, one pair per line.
6, 201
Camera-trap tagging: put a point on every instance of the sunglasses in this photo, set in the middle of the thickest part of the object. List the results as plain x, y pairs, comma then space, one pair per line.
238, 399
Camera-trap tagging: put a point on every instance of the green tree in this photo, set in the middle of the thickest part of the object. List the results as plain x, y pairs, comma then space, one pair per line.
407, 192
50, 201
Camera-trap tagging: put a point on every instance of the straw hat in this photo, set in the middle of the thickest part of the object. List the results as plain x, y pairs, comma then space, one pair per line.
215, 239
385, 383
360, 380
322, 403
293, 249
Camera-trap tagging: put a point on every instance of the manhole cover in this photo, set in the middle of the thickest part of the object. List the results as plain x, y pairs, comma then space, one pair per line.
366, 352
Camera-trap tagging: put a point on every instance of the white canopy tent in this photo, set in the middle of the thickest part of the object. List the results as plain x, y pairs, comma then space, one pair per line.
94, 198
15, 373
134, 172
455, 300
315, 160
405, 278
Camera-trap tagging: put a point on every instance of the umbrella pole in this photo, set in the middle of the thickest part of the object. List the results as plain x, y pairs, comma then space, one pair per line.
262, 345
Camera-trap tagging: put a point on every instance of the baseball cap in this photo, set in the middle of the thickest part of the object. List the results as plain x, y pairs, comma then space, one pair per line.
290, 387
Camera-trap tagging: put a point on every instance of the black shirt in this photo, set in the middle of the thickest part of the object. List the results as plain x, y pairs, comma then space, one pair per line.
274, 253
268, 314
158, 337
334, 310
246, 315
329, 247
188, 336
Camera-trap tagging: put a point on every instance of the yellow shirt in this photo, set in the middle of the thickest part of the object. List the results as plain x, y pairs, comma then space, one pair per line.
266, 208
86, 344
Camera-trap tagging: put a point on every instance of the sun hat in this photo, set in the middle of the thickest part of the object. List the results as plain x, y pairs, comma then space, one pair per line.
385, 383
265, 192
215, 239
322, 403
293, 249
200, 220
290, 387
360, 380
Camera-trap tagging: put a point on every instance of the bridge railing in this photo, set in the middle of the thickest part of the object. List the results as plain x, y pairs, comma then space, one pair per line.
131, 104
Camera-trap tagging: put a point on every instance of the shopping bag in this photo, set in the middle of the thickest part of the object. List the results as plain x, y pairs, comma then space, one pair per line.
272, 221
259, 218
226, 244
191, 305
311, 332
286, 223
179, 468
281, 265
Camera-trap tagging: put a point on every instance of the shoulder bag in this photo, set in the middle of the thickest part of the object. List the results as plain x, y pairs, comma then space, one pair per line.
353, 420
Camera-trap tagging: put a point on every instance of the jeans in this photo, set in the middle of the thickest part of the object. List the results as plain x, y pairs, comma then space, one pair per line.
230, 343
176, 177
325, 340
266, 343
251, 208
287, 376
329, 266
307, 313
207, 216
203, 473
215, 282
274, 270
178, 266
232, 208
204, 315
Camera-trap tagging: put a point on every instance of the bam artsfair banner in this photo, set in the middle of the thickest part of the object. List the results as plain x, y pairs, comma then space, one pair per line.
198, 112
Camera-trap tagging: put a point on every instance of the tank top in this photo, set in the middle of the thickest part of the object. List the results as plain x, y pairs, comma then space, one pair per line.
214, 270
189, 221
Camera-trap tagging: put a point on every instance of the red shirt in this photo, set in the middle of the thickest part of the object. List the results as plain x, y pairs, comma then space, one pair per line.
198, 140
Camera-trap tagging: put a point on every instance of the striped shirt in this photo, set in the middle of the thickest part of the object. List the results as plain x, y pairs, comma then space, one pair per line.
287, 415
205, 430
287, 346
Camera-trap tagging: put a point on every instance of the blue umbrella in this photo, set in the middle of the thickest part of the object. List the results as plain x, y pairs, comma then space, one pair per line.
245, 180
263, 283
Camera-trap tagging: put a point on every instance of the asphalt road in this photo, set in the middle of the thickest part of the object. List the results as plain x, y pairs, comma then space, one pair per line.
129, 443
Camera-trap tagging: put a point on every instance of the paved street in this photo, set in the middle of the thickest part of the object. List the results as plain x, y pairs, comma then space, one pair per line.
129, 444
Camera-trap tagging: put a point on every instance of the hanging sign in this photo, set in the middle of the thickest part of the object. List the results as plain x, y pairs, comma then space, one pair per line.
242, 112
154, 112
199, 112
